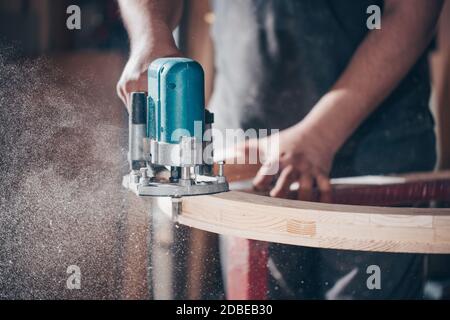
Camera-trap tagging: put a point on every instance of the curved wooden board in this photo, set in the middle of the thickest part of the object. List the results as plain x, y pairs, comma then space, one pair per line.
365, 228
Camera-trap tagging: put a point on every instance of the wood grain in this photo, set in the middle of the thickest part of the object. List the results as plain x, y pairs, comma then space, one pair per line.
366, 228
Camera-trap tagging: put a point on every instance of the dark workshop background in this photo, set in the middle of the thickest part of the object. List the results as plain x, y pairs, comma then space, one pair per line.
115, 264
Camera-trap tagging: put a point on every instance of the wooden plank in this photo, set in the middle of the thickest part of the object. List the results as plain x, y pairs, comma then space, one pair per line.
366, 228
246, 262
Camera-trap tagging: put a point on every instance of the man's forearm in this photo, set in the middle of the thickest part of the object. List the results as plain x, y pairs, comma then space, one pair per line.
379, 64
150, 22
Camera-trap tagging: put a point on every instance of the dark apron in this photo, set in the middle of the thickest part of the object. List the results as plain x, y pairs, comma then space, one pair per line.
274, 60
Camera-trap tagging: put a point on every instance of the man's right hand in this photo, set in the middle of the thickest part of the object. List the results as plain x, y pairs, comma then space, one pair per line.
134, 75
150, 24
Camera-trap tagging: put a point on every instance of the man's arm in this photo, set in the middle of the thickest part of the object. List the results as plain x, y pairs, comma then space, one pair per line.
380, 63
149, 24
377, 67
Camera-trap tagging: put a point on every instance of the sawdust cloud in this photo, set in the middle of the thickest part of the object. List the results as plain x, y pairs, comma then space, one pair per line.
61, 202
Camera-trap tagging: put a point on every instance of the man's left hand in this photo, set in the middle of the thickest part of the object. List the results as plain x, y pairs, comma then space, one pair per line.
303, 156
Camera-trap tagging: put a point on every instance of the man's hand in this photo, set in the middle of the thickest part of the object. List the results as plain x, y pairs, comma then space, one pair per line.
149, 24
134, 75
303, 157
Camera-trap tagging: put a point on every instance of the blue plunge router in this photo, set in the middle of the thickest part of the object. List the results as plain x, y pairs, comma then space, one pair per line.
166, 134
175, 99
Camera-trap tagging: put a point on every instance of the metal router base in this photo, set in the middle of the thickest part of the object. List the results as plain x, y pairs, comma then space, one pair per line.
169, 189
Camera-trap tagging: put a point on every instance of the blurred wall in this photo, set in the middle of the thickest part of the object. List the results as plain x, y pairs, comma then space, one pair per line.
39, 26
